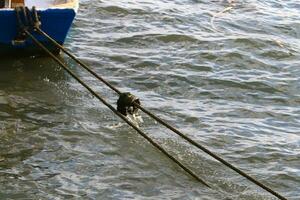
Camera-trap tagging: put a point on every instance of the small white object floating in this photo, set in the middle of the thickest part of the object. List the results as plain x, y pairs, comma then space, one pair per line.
56, 18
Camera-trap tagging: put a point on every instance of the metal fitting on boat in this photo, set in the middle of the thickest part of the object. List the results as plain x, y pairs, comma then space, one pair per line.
126, 104
26, 20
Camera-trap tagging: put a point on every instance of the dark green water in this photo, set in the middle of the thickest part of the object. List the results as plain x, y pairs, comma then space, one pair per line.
227, 74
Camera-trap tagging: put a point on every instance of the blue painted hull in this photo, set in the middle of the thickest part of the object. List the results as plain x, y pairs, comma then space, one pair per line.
55, 22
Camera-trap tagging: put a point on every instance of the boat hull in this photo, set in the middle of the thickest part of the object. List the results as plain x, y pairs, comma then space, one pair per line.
55, 22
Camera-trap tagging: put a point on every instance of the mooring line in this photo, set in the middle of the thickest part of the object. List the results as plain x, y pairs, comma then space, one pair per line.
167, 125
143, 134
35, 27
78, 61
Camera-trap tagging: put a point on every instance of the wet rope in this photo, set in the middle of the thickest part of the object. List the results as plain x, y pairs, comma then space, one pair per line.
191, 141
167, 125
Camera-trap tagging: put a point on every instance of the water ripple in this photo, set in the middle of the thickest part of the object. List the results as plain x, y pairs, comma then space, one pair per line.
224, 72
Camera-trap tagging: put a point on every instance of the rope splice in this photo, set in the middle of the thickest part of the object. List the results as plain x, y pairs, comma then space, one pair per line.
126, 104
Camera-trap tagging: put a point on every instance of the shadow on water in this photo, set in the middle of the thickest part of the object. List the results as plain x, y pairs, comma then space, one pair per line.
28, 97
29, 68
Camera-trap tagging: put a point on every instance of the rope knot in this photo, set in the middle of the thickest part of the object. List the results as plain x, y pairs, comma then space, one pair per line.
126, 104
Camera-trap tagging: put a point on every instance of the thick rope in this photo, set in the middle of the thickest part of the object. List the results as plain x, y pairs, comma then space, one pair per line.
167, 125
143, 134
78, 61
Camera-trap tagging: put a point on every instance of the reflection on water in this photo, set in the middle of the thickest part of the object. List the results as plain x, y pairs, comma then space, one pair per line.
224, 72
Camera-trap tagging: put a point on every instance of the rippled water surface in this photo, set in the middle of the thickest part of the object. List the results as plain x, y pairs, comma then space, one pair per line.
224, 72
